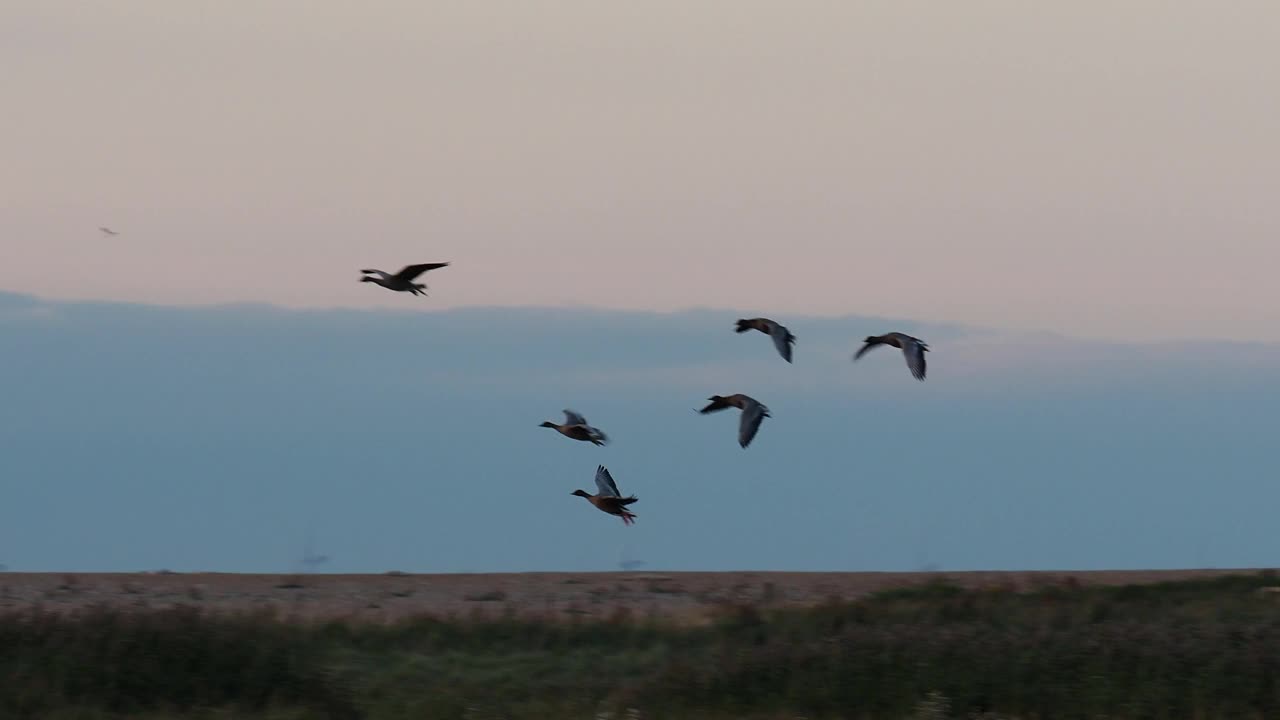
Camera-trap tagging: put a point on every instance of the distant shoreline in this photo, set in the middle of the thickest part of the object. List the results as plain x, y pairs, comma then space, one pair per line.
681, 596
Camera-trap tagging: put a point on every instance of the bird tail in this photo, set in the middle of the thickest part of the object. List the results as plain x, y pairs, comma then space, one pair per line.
627, 500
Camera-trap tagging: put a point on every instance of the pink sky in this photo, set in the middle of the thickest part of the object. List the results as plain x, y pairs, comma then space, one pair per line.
1090, 168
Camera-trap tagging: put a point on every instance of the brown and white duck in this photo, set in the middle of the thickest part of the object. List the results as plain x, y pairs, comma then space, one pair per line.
402, 281
782, 338
913, 349
608, 499
575, 426
753, 413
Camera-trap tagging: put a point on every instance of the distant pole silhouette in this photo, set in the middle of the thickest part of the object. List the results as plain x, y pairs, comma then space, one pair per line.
628, 563
310, 559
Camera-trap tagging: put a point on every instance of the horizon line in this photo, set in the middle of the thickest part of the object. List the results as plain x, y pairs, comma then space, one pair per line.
585, 308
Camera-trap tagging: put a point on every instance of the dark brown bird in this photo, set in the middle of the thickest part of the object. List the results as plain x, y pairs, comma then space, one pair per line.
782, 338
609, 499
753, 413
403, 280
913, 349
575, 426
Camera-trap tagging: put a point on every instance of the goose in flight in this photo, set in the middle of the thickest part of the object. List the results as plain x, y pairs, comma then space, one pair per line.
782, 337
575, 426
403, 280
609, 499
753, 413
107, 231
913, 349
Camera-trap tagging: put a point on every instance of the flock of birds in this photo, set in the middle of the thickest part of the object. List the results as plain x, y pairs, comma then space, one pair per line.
575, 426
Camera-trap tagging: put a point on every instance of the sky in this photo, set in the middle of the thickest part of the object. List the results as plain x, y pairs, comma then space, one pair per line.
234, 438
1074, 203
1090, 168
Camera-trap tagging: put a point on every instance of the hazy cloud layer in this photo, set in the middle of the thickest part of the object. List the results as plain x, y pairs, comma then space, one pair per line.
140, 437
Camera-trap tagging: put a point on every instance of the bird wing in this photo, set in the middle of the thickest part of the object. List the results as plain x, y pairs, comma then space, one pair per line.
573, 418
410, 272
914, 353
782, 339
749, 425
604, 482
598, 434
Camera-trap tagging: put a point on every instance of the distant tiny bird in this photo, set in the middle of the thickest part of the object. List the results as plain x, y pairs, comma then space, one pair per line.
753, 413
782, 338
403, 280
108, 231
609, 499
913, 349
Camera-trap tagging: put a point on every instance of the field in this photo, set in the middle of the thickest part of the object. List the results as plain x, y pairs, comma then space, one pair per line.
682, 597
1158, 645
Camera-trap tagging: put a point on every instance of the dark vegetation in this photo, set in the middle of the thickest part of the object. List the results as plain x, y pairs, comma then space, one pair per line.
1207, 650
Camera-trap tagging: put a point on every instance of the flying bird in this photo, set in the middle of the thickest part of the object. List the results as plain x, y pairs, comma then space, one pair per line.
753, 413
107, 231
609, 499
403, 280
782, 337
913, 349
575, 426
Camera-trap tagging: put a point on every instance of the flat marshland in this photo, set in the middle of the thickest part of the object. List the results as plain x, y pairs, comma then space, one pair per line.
884, 646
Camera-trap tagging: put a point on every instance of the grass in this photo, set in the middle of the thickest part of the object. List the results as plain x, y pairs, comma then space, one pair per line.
1203, 650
